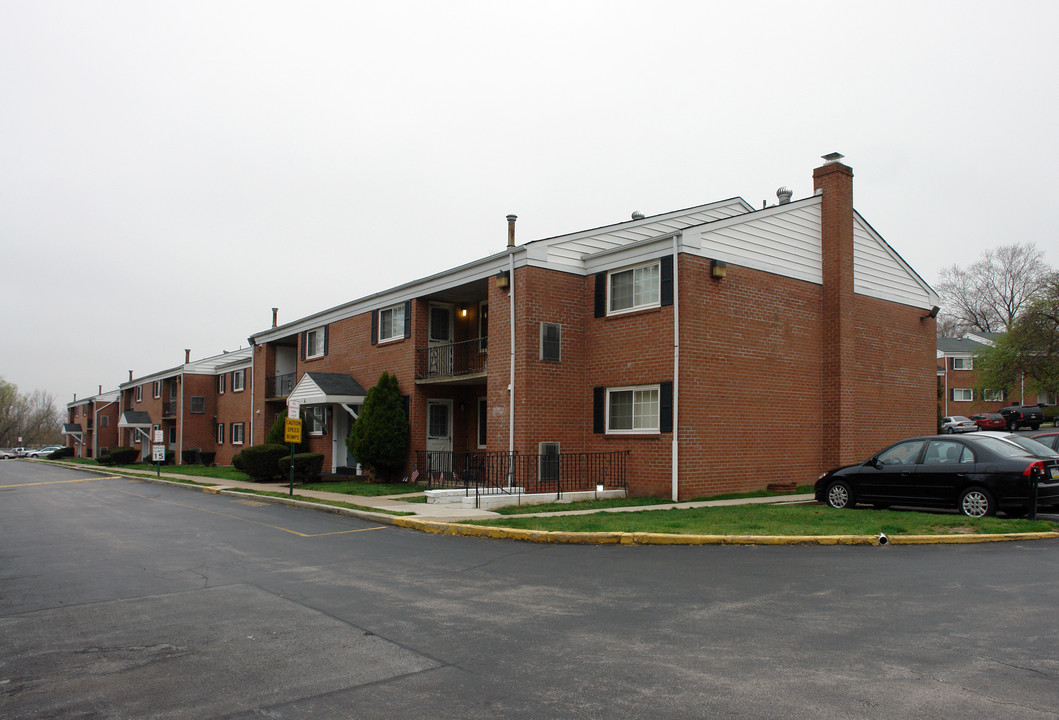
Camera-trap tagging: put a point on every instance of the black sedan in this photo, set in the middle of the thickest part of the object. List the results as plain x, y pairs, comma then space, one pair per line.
976, 475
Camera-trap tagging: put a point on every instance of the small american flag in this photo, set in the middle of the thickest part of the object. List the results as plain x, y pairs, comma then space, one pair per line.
415, 475
455, 476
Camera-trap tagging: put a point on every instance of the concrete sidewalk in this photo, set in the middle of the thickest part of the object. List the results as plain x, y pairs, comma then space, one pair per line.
399, 503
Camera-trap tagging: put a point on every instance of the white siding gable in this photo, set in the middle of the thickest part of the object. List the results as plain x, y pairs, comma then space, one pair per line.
880, 272
783, 239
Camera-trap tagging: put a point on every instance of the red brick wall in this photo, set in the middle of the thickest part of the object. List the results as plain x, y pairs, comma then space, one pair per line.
232, 407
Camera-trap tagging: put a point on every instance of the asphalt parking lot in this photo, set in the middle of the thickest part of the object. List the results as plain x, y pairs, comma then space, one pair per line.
125, 599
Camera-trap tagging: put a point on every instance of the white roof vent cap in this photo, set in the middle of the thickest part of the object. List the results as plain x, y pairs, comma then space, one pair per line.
637, 215
784, 194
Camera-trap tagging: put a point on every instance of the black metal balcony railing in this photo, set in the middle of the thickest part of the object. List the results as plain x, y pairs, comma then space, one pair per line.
279, 386
169, 409
484, 473
453, 359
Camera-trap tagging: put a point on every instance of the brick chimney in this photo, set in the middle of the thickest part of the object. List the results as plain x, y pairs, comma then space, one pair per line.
187, 355
834, 182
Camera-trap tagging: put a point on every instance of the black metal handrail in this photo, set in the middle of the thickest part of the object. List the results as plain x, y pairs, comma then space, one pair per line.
466, 357
279, 385
169, 408
503, 472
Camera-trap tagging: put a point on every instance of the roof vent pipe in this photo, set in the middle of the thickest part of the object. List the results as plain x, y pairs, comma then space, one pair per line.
100, 390
275, 315
637, 215
511, 230
187, 355
784, 194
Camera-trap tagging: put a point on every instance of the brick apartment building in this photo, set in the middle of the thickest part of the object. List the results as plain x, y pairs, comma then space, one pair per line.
717, 348
962, 392
205, 404
91, 424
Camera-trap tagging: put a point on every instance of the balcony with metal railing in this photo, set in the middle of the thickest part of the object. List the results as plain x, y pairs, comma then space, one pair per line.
169, 409
279, 386
456, 361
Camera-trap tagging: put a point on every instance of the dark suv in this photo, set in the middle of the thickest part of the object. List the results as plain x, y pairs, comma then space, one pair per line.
1022, 416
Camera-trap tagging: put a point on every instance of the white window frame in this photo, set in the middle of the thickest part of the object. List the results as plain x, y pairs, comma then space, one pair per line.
238, 433
315, 417
220, 433
642, 429
156, 389
1046, 397
963, 363
220, 383
656, 266
993, 395
559, 328
139, 393
396, 321
238, 380
966, 392
172, 434
316, 342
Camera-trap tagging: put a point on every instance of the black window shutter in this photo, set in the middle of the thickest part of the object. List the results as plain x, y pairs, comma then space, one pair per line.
952, 393
598, 419
601, 295
405, 401
303, 343
408, 318
666, 286
374, 327
325, 338
665, 407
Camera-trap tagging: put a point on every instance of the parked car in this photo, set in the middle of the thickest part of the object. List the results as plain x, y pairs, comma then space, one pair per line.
990, 421
958, 424
8, 454
43, 452
973, 474
1036, 447
1018, 416
1051, 439
21, 451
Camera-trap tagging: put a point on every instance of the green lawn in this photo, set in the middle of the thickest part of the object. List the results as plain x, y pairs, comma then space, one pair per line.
774, 520
367, 489
634, 502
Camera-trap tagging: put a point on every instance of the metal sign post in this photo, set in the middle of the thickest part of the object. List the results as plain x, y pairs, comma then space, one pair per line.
158, 455
292, 433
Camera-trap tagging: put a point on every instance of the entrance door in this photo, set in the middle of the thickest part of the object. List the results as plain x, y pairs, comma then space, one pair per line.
339, 432
439, 340
439, 435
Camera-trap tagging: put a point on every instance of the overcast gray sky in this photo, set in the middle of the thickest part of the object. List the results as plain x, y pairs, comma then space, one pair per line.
173, 170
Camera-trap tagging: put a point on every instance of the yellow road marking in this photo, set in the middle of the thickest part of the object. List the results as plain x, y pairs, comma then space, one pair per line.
253, 522
60, 482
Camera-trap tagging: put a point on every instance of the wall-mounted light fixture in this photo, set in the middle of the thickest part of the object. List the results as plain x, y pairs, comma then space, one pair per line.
503, 279
463, 311
932, 314
718, 269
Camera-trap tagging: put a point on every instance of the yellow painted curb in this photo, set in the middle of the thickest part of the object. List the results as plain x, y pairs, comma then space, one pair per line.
643, 538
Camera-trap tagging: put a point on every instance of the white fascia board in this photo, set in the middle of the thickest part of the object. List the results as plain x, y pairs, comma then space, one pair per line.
161, 375
477, 270
631, 254
212, 365
932, 296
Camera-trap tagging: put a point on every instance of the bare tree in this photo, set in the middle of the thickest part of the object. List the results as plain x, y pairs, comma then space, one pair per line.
31, 417
988, 295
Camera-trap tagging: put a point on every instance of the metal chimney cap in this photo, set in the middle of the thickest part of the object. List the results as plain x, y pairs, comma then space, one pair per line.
512, 218
833, 157
784, 194
637, 215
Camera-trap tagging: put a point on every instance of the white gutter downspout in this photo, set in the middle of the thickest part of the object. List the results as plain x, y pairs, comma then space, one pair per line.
676, 372
251, 399
180, 445
511, 376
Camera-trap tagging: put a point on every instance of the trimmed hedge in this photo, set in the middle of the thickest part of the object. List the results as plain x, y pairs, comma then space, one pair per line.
207, 456
120, 456
261, 462
61, 453
1050, 412
307, 466
190, 457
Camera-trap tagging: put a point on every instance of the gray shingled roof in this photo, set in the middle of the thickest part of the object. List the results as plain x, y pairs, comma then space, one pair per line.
336, 384
134, 418
959, 345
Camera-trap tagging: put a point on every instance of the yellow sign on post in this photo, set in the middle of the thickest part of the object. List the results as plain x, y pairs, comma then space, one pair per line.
292, 431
